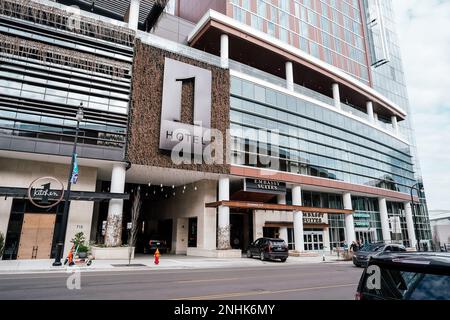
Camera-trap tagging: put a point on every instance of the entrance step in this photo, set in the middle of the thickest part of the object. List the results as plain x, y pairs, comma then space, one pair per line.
294, 253
231, 253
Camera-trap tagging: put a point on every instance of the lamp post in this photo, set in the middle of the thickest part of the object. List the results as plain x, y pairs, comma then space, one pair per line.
415, 187
62, 230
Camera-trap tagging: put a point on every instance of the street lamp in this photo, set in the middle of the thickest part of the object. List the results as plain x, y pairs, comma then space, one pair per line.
415, 187
62, 230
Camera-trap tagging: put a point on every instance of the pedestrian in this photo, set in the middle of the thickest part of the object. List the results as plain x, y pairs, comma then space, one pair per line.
360, 245
354, 247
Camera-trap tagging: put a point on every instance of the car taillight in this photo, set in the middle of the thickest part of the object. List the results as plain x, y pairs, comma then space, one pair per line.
358, 296
270, 247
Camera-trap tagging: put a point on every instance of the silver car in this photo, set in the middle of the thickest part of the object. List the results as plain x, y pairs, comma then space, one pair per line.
362, 256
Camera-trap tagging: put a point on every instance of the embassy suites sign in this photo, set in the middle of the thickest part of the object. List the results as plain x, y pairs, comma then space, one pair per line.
265, 186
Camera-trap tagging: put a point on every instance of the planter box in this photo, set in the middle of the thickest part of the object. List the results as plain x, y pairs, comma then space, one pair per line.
113, 253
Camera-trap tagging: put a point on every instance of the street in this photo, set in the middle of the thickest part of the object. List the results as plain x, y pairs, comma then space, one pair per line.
328, 281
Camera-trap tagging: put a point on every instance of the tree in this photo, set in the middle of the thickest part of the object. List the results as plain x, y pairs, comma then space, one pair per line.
135, 213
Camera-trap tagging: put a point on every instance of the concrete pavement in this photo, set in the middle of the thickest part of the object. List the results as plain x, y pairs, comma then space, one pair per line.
269, 280
145, 262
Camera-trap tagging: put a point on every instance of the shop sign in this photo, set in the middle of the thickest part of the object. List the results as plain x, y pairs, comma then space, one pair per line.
361, 215
172, 131
362, 224
313, 218
46, 192
265, 186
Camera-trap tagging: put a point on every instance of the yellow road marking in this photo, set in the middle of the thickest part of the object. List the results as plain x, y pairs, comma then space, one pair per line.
251, 293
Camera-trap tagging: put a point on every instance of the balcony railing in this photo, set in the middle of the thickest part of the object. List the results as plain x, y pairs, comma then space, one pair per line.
346, 107
61, 19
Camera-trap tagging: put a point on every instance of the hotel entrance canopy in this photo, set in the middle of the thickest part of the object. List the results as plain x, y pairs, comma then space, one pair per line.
274, 207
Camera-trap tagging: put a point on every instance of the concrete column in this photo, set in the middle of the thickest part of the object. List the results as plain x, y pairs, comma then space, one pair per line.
375, 117
384, 220
132, 16
223, 231
224, 50
394, 124
289, 76
5, 213
336, 95
115, 211
298, 219
369, 107
281, 199
410, 225
349, 223
284, 234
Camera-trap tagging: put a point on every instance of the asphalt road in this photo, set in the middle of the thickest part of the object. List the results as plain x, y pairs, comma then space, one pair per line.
287, 282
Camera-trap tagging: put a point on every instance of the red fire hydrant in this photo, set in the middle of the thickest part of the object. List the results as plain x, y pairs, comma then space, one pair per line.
157, 254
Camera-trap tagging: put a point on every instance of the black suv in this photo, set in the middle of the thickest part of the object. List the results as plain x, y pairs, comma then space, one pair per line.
361, 257
268, 248
406, 276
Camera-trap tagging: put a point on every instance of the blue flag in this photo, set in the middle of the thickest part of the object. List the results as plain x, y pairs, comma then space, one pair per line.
74, 178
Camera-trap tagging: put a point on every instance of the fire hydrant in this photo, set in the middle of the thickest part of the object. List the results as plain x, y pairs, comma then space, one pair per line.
157, 254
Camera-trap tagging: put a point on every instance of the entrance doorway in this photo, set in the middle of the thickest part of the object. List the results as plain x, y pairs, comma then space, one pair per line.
366, 236
271, 232
313, 239
37, 236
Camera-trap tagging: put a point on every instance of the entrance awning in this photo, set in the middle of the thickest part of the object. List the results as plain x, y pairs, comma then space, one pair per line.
274, 207
74, 195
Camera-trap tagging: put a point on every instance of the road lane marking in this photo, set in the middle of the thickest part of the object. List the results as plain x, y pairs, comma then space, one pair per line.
251, 293
245, 278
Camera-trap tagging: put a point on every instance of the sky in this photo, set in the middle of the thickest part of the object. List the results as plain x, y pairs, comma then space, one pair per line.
423, 27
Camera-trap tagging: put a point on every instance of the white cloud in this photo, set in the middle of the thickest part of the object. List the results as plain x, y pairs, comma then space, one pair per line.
424, 32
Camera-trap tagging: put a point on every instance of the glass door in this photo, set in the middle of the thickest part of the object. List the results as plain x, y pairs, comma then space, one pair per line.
313, 240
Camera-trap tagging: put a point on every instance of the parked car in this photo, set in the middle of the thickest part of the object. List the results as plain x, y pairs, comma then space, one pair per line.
406, 276
153, 244
268, 248
362, 256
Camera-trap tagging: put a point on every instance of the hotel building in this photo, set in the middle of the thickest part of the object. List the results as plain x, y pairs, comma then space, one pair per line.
309, 97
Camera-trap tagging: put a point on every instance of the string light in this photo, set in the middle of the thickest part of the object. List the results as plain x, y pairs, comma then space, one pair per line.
173, 186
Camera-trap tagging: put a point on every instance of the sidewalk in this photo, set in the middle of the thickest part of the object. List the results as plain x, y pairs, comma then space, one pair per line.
167, 262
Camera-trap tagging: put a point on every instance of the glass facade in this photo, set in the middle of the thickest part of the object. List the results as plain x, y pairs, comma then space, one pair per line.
367, 217
317, 141
49, 69
329, 30
389, 79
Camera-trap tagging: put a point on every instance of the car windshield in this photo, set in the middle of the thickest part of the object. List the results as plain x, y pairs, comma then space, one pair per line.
372, 247
406, 285
277, 242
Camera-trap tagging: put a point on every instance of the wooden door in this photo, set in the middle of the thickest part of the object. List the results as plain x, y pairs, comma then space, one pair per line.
37, 236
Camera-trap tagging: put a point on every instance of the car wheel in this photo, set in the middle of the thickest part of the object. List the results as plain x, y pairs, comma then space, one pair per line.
249, 254
261, 256
283, 259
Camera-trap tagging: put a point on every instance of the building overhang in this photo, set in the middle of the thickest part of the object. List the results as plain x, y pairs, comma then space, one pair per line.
274, 207
214, 23
22, 193
321, 184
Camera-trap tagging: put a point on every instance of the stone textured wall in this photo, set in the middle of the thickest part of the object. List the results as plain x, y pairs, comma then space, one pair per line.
145, 113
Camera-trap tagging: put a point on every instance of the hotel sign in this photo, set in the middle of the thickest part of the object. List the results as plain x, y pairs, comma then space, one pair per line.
173, 131
265, 186
41, 194
313, 218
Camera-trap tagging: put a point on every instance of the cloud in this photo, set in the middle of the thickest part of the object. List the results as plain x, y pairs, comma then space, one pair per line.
424, 33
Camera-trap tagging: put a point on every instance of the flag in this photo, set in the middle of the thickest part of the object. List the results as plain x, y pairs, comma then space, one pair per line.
74, 178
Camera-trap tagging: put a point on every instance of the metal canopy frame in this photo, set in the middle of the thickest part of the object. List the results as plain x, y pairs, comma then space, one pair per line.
74, 195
